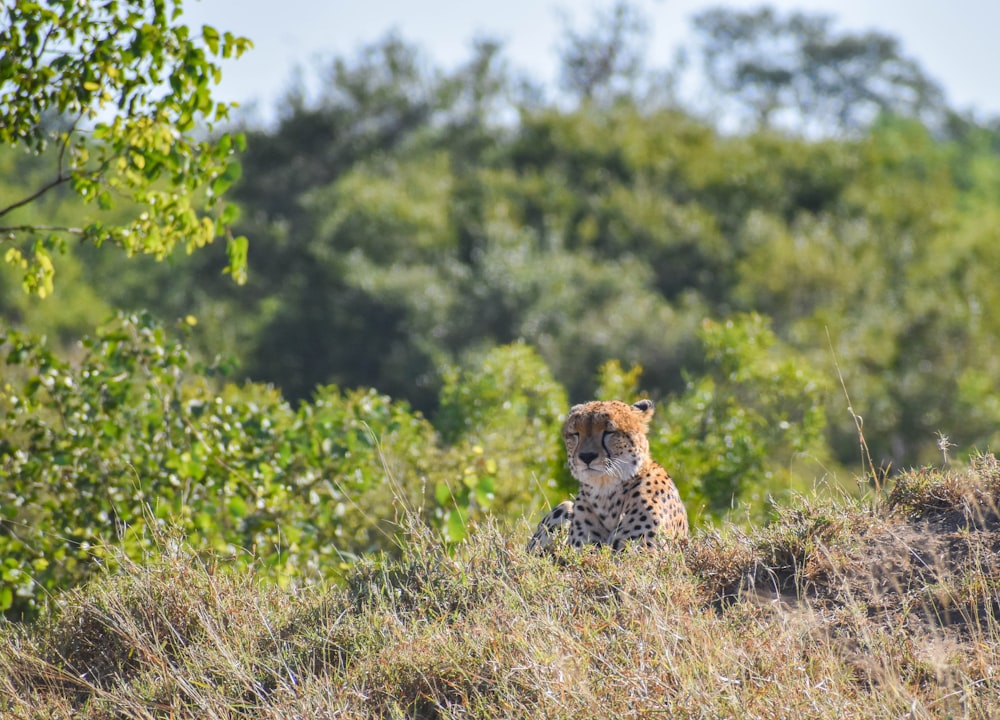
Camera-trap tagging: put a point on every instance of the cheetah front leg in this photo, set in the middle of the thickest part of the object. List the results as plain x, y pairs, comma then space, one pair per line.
561, 514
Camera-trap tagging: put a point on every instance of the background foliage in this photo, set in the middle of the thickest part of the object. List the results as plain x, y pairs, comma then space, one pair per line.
444, 260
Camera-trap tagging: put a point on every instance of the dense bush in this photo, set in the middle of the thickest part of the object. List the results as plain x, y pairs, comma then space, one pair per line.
134, 432
739, 431
744, 432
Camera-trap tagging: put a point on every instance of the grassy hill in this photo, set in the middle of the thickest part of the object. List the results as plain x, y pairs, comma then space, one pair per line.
878, 608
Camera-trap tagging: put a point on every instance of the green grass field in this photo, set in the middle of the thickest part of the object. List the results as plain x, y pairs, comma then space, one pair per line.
885, 607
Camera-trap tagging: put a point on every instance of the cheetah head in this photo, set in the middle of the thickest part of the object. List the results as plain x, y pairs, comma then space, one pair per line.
606, 442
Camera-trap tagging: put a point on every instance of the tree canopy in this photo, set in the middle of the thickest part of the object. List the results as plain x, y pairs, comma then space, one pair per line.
796, 70
410, 218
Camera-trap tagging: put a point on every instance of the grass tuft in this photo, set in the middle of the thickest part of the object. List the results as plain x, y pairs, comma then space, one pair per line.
844, 608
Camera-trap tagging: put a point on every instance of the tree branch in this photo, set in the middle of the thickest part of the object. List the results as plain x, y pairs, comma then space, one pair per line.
59, 180
40, 228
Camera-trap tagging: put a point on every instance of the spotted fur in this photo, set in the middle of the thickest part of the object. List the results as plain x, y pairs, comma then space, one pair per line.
624, 494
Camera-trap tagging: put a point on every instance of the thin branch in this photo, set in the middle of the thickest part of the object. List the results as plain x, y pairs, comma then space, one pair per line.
45, 44
65, 143
41, 228
59, 180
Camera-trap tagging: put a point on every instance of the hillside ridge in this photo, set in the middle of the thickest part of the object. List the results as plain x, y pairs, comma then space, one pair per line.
858, 608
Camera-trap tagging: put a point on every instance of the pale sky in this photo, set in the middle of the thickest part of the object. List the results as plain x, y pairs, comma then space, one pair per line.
954, 41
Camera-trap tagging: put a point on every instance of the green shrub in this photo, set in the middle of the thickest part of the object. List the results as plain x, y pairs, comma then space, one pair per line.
501, 417
734, 433
135, 433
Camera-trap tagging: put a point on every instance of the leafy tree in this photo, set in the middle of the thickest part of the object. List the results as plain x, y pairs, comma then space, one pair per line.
774, 64
605, 63
78, 302
884, 268
116, 90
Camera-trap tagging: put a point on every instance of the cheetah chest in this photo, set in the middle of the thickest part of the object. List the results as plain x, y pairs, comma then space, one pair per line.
600, 517
644, 506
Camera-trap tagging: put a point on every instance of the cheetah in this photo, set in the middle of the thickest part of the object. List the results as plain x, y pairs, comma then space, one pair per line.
624, 494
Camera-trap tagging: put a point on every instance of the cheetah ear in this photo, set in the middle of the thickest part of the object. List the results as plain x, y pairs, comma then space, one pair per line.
575, 408
645, 409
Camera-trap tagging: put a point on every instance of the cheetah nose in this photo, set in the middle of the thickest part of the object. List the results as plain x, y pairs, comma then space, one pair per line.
587, 457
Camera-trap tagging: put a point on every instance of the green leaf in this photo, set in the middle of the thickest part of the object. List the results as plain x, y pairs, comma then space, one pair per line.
442, 493
230, 214
230, 175
211, 37
484, 491
237, 506
236, 249
455, 527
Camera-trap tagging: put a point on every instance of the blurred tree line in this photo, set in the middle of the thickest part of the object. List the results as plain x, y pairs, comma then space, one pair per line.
407, 221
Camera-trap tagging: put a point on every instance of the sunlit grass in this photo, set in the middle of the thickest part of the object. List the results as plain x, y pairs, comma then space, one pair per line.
851, 609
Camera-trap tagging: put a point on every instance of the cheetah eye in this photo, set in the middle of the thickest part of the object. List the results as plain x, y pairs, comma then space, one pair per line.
610, 433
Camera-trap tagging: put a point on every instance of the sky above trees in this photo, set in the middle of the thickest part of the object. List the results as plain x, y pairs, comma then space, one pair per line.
954, 42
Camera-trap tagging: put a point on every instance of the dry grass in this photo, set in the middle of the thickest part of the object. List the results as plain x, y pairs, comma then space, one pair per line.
847, 609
